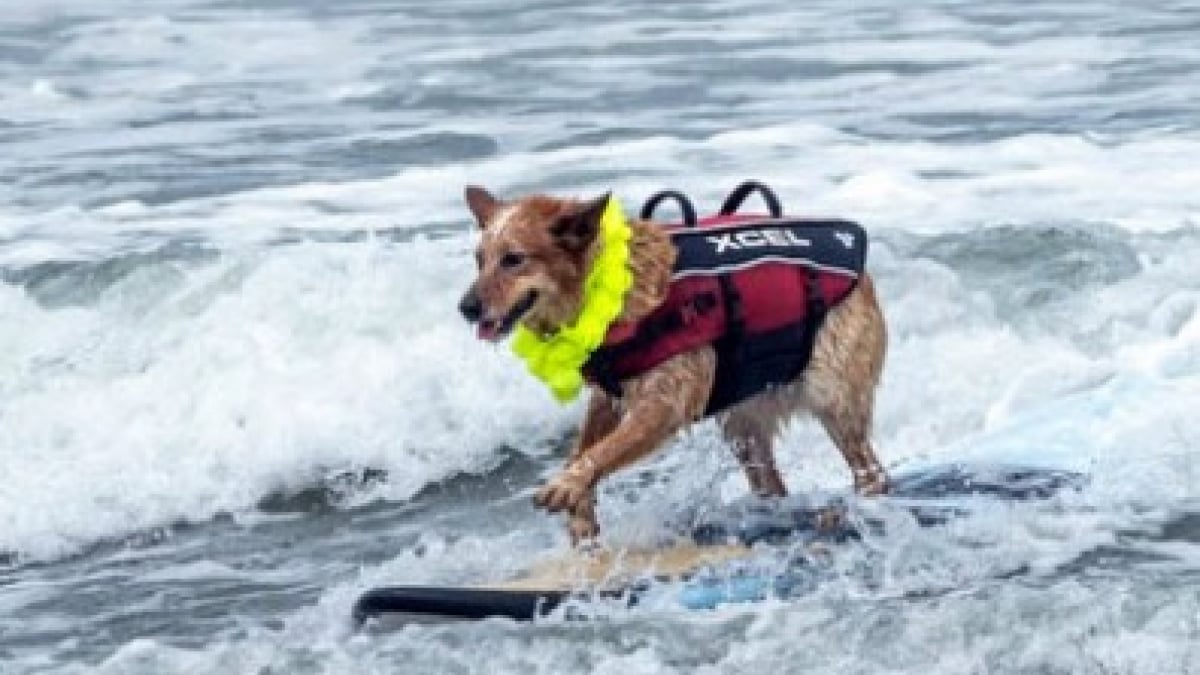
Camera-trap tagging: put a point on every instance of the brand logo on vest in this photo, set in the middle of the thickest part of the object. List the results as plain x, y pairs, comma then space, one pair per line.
736, 241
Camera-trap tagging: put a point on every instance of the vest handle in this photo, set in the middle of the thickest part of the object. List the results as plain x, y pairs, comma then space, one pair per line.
734, 201
685, 206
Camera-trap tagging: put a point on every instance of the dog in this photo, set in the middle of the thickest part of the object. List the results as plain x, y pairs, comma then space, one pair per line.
533, 258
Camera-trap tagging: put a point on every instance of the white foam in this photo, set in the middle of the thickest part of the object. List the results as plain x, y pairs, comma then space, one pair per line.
182, 394
184, 391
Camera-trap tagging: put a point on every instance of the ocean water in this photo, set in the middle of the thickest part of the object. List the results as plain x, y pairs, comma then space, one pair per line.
235, 392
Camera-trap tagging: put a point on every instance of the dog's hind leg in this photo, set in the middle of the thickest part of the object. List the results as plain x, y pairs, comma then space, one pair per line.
750, 430
839, 385
850, 426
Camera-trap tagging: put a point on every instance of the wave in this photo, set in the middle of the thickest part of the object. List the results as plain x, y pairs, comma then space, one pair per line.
183, 389
155, 389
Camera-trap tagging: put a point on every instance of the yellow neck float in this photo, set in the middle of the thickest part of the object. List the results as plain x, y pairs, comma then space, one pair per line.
557, 359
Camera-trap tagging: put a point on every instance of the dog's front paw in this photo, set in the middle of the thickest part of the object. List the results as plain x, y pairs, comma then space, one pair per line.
567, 490
582, 524
583, 530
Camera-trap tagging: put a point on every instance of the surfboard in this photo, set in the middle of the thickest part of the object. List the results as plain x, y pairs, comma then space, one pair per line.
932, 495
615, 575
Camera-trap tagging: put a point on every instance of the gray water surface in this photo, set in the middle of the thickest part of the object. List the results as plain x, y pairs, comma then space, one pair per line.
234, 392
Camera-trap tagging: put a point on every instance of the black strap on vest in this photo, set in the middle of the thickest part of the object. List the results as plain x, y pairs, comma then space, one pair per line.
735, 316
686, 210
814, 314
728, 348
815, 296
734, 201
599, 371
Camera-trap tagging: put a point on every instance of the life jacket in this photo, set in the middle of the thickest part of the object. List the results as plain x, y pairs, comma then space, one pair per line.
754, 287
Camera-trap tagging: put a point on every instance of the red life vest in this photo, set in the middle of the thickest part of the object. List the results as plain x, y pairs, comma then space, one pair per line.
754, 287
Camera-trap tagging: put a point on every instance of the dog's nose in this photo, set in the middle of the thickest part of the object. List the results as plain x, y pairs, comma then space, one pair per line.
471, 306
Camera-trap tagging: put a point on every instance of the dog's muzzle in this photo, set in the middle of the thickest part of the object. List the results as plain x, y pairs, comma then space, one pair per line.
471, 306
490, 328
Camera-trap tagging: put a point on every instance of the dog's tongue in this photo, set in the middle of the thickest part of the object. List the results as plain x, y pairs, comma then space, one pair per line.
488, 330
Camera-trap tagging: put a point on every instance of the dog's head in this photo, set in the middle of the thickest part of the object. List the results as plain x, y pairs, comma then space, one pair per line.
533, 258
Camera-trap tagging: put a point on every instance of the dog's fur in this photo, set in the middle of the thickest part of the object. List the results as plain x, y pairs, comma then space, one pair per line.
554, 241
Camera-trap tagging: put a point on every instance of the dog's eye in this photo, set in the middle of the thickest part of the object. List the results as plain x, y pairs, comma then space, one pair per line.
511, 260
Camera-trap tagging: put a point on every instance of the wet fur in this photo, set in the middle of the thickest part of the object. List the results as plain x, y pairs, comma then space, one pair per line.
838, 387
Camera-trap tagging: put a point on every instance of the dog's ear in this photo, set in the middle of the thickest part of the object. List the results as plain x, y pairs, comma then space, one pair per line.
576, 230
482, 204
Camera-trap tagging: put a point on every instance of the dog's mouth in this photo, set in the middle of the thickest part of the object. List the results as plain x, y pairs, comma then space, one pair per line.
494, 330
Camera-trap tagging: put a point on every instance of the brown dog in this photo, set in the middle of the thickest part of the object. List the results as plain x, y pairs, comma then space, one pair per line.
534, 256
